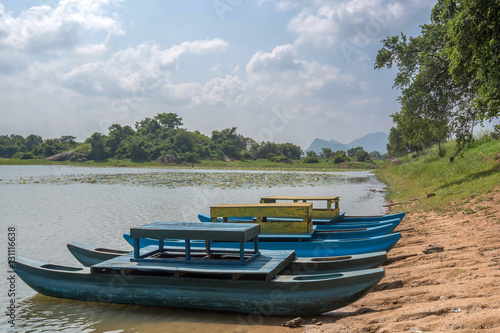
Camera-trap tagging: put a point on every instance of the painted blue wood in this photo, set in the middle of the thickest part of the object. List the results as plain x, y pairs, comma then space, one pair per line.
342, 218
369, 229
304, 248
232, 232
302, 295
90, 255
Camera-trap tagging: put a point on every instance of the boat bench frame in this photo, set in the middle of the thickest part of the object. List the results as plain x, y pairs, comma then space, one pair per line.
188, 231
332, 204
300, 211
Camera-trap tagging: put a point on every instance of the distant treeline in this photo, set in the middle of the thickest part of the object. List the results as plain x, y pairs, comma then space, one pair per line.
161, 139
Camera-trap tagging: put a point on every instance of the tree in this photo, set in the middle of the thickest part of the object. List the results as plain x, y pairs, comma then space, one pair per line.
472, 46
352, 152
147, 126
33, 143
449, 74
96, 140
230, 142
311, 153
361, 155
169, 120
191, 157
117, 134
396, 146
428, 93
326, 153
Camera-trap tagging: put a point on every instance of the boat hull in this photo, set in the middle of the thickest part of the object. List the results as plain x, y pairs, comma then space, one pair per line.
88, 255
302, 248
340, 223
285, 295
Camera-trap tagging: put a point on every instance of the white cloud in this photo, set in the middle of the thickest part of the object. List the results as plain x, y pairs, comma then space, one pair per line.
361, 22
281, 59
46, 29
281, 73
134, 69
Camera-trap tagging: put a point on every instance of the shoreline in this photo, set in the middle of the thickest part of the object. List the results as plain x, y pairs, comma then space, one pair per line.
454, 290
323, 166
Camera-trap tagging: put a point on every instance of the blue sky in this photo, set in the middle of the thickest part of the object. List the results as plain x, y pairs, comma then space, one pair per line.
284, 71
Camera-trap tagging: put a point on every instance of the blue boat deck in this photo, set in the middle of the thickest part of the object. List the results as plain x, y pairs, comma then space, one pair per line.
225, 264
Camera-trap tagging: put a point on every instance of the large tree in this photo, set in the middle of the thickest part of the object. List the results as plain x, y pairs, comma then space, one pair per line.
449, 75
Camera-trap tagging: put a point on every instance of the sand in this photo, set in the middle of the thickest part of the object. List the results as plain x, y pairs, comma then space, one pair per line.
454, 290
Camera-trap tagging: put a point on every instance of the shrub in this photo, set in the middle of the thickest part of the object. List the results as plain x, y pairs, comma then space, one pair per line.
310, 159
26, 156
361, 155
270, 156
338, 159
282, 159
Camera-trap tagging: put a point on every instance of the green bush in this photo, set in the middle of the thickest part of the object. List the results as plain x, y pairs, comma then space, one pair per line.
27, 156
310, 159
338, 159
361, 155
282, 159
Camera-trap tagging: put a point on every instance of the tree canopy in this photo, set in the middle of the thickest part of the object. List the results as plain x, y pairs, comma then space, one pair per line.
158, 138
449, 75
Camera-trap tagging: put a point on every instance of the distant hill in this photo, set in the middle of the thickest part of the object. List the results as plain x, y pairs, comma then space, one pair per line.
370, 142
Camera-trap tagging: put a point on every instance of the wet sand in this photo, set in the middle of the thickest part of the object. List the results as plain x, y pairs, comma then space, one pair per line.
454, 290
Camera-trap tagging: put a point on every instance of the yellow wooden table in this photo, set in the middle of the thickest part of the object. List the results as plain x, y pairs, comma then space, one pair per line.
332, 204
301, 212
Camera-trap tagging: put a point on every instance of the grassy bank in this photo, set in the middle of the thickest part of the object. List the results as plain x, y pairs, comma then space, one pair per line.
441, 185
208, 164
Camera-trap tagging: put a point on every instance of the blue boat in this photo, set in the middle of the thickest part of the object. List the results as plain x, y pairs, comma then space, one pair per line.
303, 245
89, 255
253, 281
349, 223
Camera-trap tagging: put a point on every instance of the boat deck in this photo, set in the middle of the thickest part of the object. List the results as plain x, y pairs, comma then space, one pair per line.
233, 232
222, 263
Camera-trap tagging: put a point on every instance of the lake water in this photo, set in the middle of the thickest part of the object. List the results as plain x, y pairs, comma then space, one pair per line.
50, 206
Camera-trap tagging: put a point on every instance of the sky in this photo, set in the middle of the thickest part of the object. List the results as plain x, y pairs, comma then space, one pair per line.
278, 70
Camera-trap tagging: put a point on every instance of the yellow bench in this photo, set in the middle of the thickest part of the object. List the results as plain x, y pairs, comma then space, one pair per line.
332, 204
261, 212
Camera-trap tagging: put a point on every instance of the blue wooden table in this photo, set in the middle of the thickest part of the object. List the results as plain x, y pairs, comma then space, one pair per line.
228, 232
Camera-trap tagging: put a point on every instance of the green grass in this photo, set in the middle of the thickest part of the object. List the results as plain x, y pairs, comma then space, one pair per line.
207, 164
107, 163
472, 175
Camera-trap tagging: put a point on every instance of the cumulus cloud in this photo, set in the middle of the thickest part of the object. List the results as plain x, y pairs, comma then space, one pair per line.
47, 29
134, 69
281, 59
280, 72
362, 22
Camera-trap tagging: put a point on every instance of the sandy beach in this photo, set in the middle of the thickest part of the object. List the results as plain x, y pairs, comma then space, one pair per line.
457, 289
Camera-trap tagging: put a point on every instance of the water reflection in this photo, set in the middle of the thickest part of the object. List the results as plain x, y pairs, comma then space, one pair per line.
47, 314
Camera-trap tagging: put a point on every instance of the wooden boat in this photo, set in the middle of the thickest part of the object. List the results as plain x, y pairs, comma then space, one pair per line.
330, 215
302, 244
332, 211
89, 255
349, 224
253, 281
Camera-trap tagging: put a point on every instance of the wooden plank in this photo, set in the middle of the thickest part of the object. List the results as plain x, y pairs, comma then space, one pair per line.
268, 265
231, 232
318, 213
307, 198
261, 212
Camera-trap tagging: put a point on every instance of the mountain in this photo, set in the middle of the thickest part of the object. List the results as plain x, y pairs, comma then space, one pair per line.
370, 142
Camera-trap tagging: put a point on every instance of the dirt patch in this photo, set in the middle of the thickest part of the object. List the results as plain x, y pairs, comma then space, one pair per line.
454, 290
